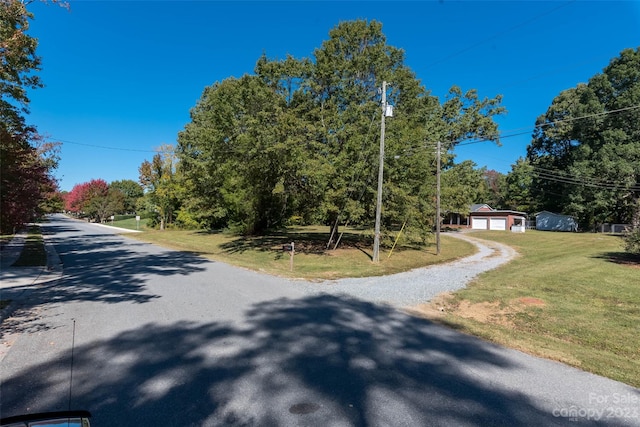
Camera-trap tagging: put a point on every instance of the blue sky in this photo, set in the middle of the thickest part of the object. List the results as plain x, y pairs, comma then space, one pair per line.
121, 76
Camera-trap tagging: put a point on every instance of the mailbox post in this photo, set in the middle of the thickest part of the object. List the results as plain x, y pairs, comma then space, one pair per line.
291, 249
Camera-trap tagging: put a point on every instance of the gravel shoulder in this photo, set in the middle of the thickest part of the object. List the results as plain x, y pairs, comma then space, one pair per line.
423, 284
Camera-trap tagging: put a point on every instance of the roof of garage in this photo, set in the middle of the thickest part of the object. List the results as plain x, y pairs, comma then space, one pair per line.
498, 213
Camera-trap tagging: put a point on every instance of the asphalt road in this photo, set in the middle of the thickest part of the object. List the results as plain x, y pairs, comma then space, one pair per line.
158, 337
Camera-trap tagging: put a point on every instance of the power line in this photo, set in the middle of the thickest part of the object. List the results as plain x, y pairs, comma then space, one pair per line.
563, 175
517, 131
554, 71
459, 142
104, 147
557, 176
497, 35
531, 129
444, 59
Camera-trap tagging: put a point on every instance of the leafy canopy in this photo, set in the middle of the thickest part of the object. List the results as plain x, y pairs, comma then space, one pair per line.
585, 152
26, 160
299, 139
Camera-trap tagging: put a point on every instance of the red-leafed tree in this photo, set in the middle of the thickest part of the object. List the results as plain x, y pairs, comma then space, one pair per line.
26, 162
86, 198
495, 183
26, 181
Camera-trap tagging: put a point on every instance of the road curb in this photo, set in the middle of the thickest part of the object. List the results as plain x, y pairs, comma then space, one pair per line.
12, 250
30, 276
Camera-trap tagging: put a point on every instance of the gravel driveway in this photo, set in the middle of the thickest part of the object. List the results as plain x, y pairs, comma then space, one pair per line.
422, 284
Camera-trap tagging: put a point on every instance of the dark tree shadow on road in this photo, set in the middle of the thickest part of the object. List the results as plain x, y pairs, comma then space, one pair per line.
105, 268
321, 360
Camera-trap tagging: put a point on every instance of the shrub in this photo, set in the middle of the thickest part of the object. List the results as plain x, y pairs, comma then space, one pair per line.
185, 220
632, 241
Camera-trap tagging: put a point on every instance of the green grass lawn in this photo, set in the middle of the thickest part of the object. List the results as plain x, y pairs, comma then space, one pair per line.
311, 260
568, 296
130, 224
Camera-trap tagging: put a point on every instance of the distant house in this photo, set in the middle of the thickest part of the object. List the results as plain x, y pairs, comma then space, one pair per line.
549, 221
484, 217
461, 218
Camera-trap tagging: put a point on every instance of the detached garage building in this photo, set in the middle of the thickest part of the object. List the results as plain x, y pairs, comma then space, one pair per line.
483, 217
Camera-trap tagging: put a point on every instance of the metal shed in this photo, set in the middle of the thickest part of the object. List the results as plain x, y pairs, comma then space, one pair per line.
549, 221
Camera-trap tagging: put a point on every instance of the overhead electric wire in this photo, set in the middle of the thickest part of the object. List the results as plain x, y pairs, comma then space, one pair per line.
499, 34
547, 174
444, 59
542, 125
562, 174
64, 141
460, 142
584, 181
554, 71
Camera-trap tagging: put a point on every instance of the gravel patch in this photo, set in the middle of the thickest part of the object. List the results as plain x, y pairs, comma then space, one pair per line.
422, 284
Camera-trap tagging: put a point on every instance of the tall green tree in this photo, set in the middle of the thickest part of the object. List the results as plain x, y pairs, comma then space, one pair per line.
107, 204
160, 179
131, 192
586, 149
237, 156
18, 64
300, 138
495, 185
345, 84
519, 187
462, 185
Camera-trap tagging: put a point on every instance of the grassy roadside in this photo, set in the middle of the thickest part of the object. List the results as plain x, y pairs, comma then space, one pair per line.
570, 297
5, 239
311, 261
33, 254
130, 224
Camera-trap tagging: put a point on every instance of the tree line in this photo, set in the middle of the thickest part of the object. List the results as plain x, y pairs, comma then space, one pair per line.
96, 200
584, 158
295, 142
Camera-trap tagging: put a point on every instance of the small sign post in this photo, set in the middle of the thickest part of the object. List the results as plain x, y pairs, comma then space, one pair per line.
137, 222
291, 249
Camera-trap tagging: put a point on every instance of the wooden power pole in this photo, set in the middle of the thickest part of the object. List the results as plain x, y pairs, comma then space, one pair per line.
376, 238
438, 200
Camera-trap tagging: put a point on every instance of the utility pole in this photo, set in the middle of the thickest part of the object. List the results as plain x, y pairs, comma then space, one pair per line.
376, 238
438, 201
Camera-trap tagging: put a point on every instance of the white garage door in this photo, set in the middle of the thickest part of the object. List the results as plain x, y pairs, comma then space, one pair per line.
479, 223
498, 224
